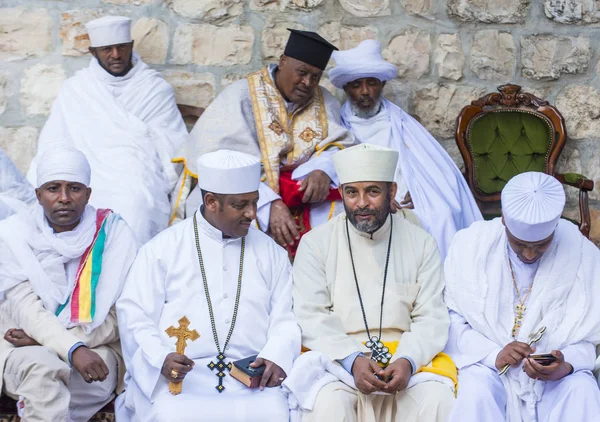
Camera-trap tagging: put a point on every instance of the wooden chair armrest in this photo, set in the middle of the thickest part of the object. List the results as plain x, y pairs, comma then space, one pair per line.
576, 180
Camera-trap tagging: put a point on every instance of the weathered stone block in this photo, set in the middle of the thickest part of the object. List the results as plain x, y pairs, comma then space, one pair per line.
493, 55
570, 162
366, 8
20, 143
127, 2
448, 57
422, 8
280, 5
3, 91
274, 37
489, 11
212, 11
228, 79
439, 105
73, 34
410, 52
346, 37
573, 11
195, 89
151, 38
24, 33
39, 88
592, 171
548, 56
211, 45
399, 93
580, 106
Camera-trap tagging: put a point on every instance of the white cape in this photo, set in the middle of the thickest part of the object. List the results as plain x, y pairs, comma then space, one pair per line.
15, 191
129, 129
442, 199
565, 298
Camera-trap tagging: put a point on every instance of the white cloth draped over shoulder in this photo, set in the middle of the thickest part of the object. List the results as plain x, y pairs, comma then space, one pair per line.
128, 128
441, 197
564, 298
166, 283
31, 251
16, 193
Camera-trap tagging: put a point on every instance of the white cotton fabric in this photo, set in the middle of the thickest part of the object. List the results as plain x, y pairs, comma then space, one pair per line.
228, 172
109, 30
564, 298
532, 204
31, 251
128, 128
363, 61
440, 194
16, 193
365, 163
63, 163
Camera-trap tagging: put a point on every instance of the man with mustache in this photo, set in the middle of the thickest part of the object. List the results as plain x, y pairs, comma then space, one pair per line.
368, 298
233, 283
123, 116
428, 180
281, 115
505, 280
63, 264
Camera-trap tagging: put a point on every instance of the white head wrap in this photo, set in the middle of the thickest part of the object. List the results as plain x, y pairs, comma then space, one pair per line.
63, 163
365, 163
363, 61
109, 30
532, 204
228, 172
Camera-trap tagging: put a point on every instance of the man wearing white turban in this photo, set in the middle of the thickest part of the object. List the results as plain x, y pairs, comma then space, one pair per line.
16, 193
63, 264
523, 295
123, 116
428, 180
233, 283
368, 298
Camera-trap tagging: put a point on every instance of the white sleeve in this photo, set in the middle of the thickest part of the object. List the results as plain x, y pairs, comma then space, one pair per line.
322, 162
266, 195
581, 356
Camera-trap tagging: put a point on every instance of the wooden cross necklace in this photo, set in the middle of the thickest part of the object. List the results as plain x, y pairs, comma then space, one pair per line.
520, 307
220, 365
379, 352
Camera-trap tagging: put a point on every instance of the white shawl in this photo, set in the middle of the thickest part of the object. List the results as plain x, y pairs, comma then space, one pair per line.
442, 199
15, 190
129, 129
31, 251
564, 298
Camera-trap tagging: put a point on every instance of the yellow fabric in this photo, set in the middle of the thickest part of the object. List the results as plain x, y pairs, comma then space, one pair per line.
296, 137
85, 294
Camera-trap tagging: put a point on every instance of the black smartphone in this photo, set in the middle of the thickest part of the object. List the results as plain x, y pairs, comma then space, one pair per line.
544, 359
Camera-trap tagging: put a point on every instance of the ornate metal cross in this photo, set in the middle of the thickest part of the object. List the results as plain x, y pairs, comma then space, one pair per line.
183, 334
221, 366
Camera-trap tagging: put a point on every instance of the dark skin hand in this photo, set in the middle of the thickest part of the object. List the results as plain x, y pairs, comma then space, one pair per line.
19, 338
513, 354
315, 186
406, 203
282, 225
397, 374
363, 370
89, 364
180, 363
553, 372
273, 375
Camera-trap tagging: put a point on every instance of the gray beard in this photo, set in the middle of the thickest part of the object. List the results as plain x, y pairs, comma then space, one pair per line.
366, 114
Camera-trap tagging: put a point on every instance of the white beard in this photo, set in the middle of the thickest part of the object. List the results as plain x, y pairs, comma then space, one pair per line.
366, 114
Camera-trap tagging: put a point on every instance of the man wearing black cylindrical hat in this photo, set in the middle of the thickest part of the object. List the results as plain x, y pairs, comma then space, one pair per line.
281, 115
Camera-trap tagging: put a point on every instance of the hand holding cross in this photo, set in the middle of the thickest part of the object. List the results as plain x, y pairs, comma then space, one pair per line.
182, 333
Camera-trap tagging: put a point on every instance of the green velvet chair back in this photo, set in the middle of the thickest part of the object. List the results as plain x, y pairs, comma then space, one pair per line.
506, 142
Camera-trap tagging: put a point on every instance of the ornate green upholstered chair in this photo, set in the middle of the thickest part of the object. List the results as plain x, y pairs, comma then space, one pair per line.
510, 132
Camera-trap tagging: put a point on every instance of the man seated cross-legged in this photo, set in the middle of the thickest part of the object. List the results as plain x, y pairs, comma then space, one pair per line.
519, 286
63, 264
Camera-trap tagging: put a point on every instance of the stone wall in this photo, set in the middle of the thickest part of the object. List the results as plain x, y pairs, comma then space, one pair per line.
448, 52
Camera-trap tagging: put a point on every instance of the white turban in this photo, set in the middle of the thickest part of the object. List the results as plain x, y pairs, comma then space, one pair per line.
365, 163
364, 61
109, 30
532, 204
228, 172
63, 163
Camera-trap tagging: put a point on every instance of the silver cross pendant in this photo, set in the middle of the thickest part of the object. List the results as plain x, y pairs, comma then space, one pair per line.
379, 352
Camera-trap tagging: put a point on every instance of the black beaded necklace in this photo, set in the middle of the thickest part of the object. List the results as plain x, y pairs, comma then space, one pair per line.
379, 352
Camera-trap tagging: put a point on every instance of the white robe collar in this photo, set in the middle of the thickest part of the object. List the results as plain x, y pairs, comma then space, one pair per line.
211, 231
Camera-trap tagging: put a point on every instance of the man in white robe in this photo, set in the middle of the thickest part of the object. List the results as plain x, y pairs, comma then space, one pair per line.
508, 278
428, 180
281, 115
16, 193
122, 115
371, 276
233, 283
62, 266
